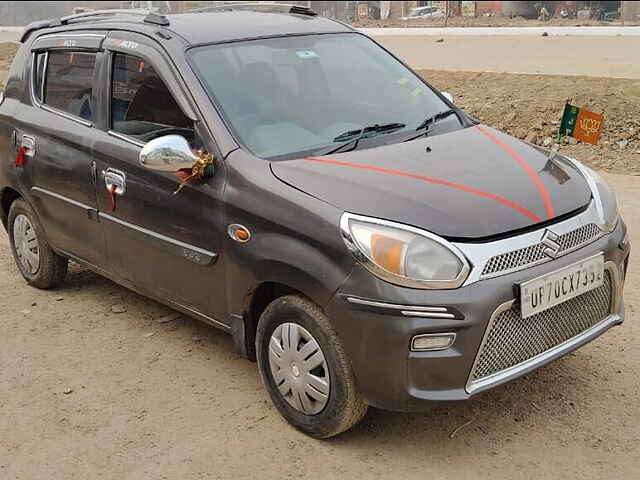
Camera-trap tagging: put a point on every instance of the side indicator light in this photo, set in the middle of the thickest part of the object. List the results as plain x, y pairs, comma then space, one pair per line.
239, 233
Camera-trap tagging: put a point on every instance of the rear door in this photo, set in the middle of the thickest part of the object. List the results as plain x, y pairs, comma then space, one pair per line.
57, 128
167, 245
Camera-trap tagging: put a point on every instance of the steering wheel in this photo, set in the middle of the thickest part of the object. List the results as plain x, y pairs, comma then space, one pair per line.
188, 133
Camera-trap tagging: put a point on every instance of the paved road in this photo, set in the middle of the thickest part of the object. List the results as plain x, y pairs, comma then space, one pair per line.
10, 34
599, 56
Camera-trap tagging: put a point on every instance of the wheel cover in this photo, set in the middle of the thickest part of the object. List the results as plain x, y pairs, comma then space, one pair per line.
26, 244
299, 368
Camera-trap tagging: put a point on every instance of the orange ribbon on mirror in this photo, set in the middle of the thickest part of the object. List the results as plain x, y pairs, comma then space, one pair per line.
198, 171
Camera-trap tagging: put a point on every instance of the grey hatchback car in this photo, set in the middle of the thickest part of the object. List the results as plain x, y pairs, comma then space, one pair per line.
283, 177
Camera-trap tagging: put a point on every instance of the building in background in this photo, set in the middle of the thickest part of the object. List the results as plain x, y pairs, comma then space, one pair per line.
631, 11
587, 9
21, 13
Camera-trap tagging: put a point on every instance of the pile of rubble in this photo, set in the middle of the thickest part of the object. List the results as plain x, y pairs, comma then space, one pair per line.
7, 51
530, 107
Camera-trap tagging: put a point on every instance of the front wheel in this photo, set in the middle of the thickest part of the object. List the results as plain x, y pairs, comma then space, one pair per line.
305, 369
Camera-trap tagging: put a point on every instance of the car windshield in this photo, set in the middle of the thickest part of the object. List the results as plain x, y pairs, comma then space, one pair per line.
292, 96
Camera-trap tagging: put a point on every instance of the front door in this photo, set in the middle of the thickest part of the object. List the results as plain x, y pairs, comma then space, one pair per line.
167, 245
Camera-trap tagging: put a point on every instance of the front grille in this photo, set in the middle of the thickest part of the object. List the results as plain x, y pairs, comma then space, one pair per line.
511, 340
527, 256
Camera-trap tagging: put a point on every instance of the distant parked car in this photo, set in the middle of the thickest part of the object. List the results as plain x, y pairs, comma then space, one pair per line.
424, 12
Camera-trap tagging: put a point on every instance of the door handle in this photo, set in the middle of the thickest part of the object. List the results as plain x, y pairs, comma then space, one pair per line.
115, 181
26, 147
29, 146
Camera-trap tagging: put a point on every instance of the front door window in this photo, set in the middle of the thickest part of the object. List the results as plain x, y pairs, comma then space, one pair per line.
142, 107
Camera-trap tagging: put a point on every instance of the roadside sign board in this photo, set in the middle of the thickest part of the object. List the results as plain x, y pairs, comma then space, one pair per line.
581, 124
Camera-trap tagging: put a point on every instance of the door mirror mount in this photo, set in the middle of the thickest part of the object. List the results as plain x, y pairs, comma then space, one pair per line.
168, 153
448, 96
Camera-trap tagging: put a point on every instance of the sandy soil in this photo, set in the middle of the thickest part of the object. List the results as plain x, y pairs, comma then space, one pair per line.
151, 400
7, 51
86, 393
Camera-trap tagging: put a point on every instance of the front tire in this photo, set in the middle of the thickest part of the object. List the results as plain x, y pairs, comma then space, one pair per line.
305, 369
38, 263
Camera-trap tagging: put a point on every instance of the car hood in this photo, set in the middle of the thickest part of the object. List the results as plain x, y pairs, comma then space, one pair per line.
468, 184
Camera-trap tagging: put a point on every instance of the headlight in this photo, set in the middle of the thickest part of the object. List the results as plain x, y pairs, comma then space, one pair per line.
606, 203
404, 255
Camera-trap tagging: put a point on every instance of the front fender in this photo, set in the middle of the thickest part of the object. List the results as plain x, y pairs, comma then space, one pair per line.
295, 237
285, 260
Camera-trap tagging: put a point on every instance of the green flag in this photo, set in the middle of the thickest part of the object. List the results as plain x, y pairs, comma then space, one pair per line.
568, 123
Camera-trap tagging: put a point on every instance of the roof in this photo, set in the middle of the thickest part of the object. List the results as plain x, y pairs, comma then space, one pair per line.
204, 27
222, 26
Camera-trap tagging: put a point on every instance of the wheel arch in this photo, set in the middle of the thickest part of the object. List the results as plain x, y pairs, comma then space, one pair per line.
283, 279
257, 301
8, 196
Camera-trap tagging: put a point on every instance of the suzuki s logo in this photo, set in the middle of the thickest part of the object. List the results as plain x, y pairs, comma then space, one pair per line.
550, 240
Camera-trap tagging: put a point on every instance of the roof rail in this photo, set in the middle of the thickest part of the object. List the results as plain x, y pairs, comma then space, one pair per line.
33, 26
96, 13
258, 7
149, 15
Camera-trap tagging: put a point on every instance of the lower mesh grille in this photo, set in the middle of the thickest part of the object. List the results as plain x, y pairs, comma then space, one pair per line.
511, 340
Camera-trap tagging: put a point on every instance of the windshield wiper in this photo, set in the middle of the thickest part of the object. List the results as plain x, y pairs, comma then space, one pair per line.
354, 136
435, 118
428, 122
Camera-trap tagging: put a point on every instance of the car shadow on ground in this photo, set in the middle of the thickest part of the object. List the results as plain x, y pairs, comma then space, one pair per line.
553, 393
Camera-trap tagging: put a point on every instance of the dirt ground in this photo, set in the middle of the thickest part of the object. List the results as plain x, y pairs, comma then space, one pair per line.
7, 51
152, 400
86, 393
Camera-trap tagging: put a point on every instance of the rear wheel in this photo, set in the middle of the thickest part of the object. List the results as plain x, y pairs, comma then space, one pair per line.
37, 262
305, 368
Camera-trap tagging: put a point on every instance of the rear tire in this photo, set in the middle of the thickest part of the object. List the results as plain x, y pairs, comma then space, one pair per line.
38, 263
333, 404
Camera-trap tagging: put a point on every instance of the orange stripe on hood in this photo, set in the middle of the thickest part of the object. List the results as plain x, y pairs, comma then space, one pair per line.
457, 186
530, 171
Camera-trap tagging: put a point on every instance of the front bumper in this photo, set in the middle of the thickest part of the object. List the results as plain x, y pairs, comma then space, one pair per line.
377, 337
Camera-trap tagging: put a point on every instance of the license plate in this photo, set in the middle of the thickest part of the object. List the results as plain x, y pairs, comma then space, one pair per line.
549, 290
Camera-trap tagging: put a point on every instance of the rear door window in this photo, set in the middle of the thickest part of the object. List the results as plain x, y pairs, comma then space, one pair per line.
142, 106
68, 83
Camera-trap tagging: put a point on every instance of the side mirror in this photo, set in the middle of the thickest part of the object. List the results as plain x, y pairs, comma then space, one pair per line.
167, 154
448, 96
